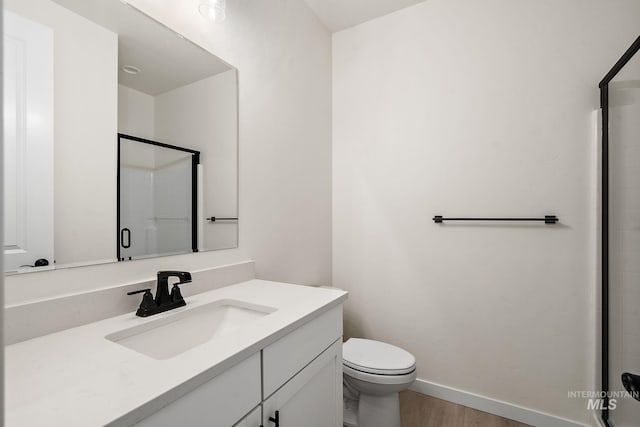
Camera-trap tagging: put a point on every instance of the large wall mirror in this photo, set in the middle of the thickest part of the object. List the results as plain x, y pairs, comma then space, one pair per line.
121, 138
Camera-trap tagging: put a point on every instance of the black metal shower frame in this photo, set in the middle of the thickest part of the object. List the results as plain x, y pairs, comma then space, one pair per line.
604, 105
195, 161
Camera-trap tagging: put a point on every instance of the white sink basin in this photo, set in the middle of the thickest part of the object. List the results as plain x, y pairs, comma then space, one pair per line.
174, 334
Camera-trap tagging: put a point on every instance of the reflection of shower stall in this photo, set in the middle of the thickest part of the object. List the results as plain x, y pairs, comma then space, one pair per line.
620, 102
157, 199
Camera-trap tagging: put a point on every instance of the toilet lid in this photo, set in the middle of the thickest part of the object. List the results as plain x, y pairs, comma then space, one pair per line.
377, 357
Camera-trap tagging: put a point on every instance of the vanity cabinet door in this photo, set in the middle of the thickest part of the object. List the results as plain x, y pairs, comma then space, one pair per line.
313, 397
220, 402
254, 419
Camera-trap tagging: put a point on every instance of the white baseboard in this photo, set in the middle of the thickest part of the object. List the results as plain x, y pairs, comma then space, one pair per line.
492, 406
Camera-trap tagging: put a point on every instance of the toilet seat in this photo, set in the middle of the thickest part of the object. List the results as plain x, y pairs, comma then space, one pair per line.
378, 378
361, 356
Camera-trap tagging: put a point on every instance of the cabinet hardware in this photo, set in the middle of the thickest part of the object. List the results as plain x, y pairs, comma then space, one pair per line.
276, 419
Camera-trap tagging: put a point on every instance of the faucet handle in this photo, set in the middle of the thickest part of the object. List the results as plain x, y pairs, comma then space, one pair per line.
139, 291
176, 295
147, 303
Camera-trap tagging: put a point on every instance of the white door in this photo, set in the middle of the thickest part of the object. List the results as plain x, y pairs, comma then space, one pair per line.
313, 398
28, 142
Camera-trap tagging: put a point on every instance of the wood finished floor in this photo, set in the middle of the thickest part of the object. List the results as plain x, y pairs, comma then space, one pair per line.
418, 410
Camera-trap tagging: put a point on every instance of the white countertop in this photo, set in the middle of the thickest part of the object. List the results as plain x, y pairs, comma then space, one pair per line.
77, 377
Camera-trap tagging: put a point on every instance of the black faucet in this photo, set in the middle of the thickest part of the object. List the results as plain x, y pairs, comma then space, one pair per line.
164, 300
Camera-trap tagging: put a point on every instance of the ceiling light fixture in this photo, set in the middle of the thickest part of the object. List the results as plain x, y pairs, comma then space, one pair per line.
213, 10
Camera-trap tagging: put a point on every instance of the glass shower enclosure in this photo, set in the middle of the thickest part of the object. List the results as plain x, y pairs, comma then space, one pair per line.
157, 199
620, 103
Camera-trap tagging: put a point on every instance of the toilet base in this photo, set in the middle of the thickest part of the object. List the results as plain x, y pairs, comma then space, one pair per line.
379, 411
350, 413
373, 411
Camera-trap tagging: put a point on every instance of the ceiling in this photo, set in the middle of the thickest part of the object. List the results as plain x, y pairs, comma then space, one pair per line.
337, 15
166, 60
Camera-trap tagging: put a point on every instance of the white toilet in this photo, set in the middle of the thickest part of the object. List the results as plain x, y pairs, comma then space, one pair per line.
374, 373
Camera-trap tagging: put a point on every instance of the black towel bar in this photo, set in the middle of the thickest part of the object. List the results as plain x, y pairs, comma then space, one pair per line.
548, 219
215, 218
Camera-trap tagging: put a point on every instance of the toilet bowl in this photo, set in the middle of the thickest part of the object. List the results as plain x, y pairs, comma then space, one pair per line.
374, 373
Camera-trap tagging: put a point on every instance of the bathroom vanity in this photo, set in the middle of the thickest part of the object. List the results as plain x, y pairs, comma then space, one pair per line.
255, 353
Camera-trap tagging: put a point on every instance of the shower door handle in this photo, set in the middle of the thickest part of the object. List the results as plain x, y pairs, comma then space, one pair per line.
128, 245
631, 383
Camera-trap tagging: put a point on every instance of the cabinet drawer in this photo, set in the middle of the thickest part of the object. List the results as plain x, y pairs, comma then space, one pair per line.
222, 401
290, 354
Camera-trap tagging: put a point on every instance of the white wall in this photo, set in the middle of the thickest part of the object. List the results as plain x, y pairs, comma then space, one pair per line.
84, 128
203, 116
459, 107
136, 113
283, 55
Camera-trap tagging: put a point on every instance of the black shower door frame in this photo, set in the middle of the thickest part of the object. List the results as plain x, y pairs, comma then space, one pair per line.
604, 105
195, 161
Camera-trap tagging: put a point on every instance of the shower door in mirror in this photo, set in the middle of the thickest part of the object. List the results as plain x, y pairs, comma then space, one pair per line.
623, 138
157, 199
